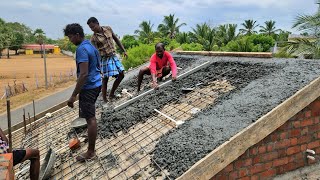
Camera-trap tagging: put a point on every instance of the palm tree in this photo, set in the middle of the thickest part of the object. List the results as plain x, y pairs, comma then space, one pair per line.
204, 35
170, 26
226, 33
269, 28
249, 26
145, 33
183, 38
40, 37
309, 46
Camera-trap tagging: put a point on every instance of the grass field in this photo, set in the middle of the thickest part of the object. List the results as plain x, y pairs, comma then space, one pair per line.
29, 70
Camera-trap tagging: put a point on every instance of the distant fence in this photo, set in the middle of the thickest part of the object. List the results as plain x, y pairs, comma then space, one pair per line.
53, 80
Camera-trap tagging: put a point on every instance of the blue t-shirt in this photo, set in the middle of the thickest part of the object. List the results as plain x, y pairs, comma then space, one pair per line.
86, 52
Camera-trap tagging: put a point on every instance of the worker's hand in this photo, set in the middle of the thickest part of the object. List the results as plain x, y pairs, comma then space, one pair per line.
174, 79
71, 100
125, 54
155, 85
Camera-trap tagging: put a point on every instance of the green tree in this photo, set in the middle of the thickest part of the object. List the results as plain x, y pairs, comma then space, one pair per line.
6, 38
204, 35
40, 37
183, 37
145, 33
269, 28
226, 33
129, 41
170, 26
249, 26
308, 46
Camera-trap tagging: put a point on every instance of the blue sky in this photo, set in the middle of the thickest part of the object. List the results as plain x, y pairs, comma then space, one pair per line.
124, 16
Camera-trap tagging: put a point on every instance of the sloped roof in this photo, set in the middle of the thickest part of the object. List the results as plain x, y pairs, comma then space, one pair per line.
37, 46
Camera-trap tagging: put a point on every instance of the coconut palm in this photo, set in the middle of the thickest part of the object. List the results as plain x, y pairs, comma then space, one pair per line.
170, 26
306, 46
145, 33
226, 33
249, 26
183, 38
40, 37
204, 35
269, 28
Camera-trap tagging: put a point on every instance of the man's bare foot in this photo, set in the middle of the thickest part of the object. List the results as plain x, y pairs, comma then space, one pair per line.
86, 156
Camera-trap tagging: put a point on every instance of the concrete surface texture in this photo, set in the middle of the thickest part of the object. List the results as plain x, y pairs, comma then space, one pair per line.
261, 85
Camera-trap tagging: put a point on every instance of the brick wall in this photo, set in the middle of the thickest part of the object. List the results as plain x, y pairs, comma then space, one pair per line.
281, 151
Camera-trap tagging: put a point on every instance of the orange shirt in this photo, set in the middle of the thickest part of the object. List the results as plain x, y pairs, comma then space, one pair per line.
157, 64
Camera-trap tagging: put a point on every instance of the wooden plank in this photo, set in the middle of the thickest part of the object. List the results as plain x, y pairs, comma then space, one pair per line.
234, 54
222, 156
123, 105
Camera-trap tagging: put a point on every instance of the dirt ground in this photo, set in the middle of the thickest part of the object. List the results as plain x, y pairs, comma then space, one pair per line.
28, 70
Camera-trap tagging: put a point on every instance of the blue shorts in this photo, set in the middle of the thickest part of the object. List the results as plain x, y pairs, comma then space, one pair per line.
111, 66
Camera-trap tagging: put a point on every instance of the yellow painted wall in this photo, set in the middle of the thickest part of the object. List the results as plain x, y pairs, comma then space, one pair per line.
56, 50
29, 51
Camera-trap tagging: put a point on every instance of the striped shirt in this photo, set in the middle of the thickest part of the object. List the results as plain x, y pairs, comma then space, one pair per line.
104, 42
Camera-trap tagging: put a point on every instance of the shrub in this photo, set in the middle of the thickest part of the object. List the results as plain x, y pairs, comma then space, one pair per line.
138, 55
192, 47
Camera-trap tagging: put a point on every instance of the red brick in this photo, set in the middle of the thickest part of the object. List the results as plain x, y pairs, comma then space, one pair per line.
282, 153
274, 137
254, 178
314, 144
317, 119
282, 144
256, 160
314, 128
292, 166
296, 124
262, 149
308, 114
293, 141
284, 135
317, 150
304, 131
269, 156
257, 168
228, 168
243, 163
293, 150
294, 133
244, 178
233, 175
279, 162
304, 139
306, 122
253, 151
285, 126
303, 147
269, 173
243, 172
299, 116
270, 146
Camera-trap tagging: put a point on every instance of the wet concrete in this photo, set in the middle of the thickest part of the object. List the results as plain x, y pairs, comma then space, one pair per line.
260, 84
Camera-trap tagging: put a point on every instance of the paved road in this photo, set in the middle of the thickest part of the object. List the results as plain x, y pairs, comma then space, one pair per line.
40, 105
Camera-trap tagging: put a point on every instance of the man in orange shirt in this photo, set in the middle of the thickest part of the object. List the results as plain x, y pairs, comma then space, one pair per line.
161, 63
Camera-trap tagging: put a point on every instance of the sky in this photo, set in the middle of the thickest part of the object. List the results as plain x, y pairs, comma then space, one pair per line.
124, 16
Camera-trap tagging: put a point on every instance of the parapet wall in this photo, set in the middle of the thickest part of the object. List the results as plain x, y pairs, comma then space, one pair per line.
282, 151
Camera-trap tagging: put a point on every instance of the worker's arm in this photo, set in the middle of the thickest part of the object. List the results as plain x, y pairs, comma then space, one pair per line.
153, 70
173, 66
3, 136
116, 39
80, 82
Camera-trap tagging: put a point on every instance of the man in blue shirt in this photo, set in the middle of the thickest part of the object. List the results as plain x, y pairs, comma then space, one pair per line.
88, 83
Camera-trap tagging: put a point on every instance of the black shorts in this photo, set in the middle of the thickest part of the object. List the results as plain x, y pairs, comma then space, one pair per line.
87, 102
18, 155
